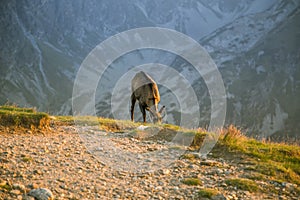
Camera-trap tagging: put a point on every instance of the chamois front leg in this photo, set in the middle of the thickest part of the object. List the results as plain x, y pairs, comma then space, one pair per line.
133, 100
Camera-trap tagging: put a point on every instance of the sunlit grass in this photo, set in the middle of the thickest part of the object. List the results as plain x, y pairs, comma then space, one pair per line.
282, 161
207, 193
243, 184
191, 181
23, 117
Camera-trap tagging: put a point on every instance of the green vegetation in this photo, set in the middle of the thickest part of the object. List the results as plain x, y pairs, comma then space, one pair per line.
4, 185
191, 181
207, 193
23, 117
243, 184
280, 161
27, 159
106, 124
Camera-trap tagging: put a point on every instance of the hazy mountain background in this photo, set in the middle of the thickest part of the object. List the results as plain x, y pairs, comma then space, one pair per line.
255, 44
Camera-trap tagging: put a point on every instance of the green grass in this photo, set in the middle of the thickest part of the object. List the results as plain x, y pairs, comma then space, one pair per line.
188, 156
281, 161
207, 193
256, 176
27, 159
106, 124
191, 181
23, 117
13, 108
243, 184
4, 185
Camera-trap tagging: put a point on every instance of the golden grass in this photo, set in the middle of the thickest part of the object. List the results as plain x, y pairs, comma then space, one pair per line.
243, 184
279, 160
191, 181
23, 117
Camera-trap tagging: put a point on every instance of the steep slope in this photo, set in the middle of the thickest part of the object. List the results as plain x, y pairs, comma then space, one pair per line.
262, 75
45, 41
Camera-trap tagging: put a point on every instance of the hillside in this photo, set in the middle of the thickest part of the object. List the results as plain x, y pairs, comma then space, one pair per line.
57, 156
255, 45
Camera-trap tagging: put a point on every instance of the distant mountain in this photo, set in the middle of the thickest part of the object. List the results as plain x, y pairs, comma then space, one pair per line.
259, 59
255, 44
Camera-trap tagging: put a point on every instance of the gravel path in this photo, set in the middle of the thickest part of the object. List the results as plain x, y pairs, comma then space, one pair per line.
60, 161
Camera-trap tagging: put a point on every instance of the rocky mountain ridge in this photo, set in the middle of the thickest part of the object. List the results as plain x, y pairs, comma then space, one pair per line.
255, 44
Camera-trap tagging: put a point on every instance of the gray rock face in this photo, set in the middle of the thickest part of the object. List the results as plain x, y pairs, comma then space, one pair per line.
254, 43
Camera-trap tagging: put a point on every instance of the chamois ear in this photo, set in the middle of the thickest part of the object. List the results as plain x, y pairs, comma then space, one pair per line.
162, 111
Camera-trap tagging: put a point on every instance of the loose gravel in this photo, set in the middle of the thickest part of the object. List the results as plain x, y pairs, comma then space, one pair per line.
60, 163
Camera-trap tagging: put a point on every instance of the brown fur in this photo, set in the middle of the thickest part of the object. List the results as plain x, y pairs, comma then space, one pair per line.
145, 90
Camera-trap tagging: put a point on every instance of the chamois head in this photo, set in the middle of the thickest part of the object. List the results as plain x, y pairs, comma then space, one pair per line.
155, 116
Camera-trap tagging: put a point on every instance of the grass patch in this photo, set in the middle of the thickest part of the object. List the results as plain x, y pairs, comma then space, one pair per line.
188, 156
256, 176
106, 124
191, 181
27, 159
23, 117
4, 185
117, 125
78, 120
14, 108
281, 161
207, 193
243, 184
171, 126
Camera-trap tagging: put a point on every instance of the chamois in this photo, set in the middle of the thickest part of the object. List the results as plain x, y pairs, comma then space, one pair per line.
144, 89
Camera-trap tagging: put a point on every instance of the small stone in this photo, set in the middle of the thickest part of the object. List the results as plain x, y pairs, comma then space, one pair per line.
227, 172
26, 197
219, 171
282, 197
41, 194
175, 188
19, 187
3, 183
158, 188
15, 192
19, 197
223, 185
191, 166
165, 171
130, 191
219, 197
32, 186
37, 172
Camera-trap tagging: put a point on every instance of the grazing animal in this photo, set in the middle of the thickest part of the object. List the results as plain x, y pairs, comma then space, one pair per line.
144, 89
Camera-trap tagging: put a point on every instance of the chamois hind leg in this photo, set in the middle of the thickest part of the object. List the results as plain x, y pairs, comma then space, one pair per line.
143, 110
133, 100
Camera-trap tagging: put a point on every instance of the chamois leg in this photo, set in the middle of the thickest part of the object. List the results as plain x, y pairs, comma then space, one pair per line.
143, 110
133, 100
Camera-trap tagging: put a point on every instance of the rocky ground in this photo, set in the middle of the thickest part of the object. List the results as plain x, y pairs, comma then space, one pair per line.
59, 160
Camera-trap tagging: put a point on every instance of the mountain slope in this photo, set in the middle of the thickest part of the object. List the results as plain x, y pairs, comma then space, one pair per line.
45, 41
